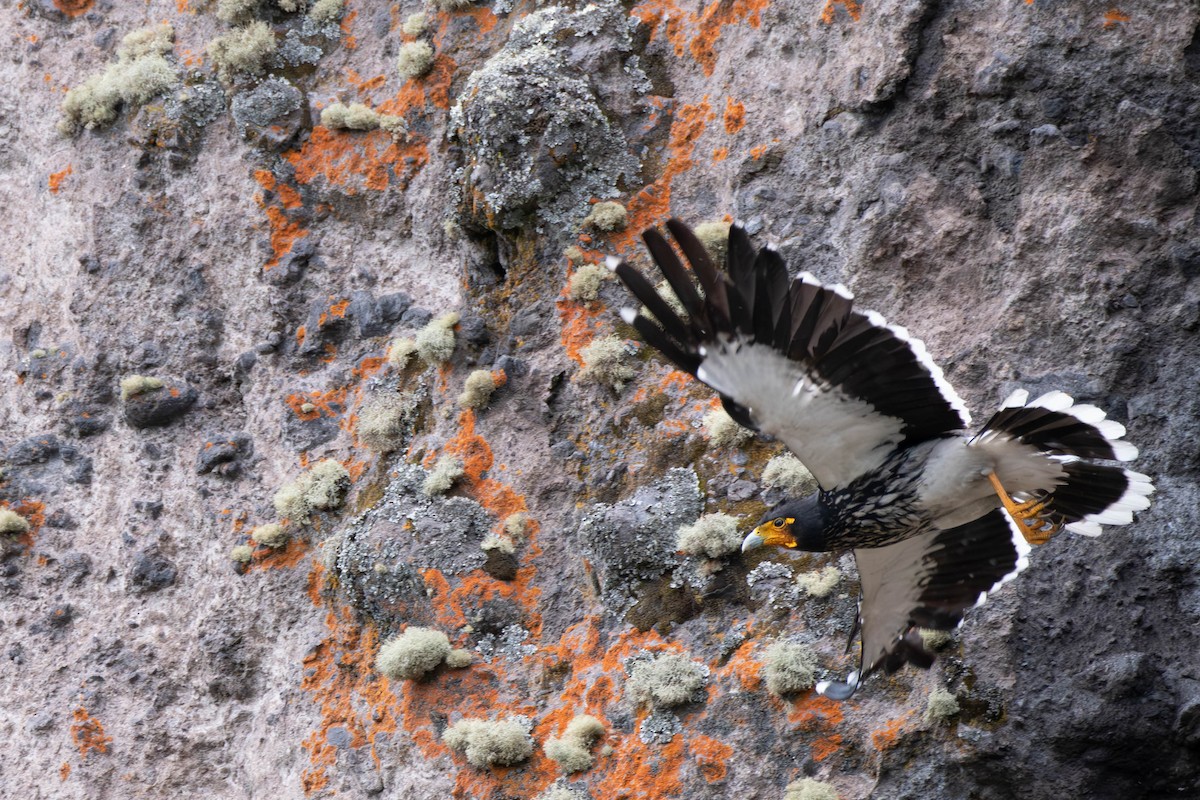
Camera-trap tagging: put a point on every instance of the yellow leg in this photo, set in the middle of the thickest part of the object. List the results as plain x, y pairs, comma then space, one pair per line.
1027, 515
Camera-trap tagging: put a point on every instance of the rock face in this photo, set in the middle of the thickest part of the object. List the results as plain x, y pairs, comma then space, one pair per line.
1014, 182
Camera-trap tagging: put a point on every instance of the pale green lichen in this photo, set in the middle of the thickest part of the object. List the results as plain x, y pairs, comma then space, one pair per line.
236, 12
326, 12
435, 342
358, 117
400, 352
12, 523
517, 526
666, 681
933, 639
242, 554
451, 5
445, 472
494, 541
789, 667
477, 390
561, 792
140, 73
459, 659
488, 743
243, 51
712, 536
413, 654
809, 789
584, 284
787, 473
133, 385
722, 430
331, 548
819, 582
715, 238
386, 419
271, 535
414, 60
323, 487
606, 361
573, 750
574, 254
414, 24
942, 706
607, 216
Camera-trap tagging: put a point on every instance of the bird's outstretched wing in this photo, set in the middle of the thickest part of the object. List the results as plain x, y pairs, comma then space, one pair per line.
927, 581
791, 357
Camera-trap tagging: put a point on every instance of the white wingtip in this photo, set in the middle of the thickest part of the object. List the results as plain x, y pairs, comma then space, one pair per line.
628, 315
612, 263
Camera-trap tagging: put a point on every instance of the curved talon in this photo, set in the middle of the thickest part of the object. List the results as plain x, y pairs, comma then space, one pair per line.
1028, 515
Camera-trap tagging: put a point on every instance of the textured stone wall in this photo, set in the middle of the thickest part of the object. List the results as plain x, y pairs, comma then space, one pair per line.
1013, 181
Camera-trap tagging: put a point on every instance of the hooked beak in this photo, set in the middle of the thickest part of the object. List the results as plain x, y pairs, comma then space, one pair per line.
752, 542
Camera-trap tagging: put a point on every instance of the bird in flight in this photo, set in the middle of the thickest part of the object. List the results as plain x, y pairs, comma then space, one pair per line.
936, 516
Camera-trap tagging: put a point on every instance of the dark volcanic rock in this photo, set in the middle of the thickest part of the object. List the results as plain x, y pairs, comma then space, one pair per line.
159, 407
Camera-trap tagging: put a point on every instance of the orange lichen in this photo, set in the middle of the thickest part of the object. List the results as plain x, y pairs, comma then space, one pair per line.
710, 756
286, 557
88, 733
485, 18
34, 513
652, 204
285, 232
1114, 17
358, 160
328, 404
707, 24
362, 84
886, 737
338, 674
824, 747
64, 771
73, 8
57, 178
735, 115
720, 154
852, 7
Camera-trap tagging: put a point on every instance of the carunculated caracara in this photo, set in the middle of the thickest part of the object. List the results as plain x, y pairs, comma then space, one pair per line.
937, 517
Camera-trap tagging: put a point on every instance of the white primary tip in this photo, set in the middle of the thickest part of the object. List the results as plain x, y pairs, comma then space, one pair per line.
612, 263
629, 315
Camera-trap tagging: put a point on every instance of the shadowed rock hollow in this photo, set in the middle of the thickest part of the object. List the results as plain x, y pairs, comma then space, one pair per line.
1014, 182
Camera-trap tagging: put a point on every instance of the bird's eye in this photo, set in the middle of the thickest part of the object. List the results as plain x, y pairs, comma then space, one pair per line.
778, 523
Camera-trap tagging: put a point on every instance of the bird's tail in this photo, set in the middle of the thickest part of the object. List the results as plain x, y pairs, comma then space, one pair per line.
1054, 437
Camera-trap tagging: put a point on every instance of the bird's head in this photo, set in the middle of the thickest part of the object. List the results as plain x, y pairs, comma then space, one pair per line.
794, 524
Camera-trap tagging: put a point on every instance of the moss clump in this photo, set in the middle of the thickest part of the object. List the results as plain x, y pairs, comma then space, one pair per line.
358, 117
242, 554
236, 12
517, 526
443, 475
494, 541
666, 681
415, 59
809, 789
584, 285
787, 473
605, 361
385, 421
789, 667
413, 654
942, 706
12, 523
935, 640
712, 536
435, 342
271, 535
715, 238
322, 487
477, 390
574, 255
414, 24
244, 51
133, 385
488, 743
607, 216
326, 12
140, 73
451, 5
459, 659
722, 430
572, 751
400, 351
819, 582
